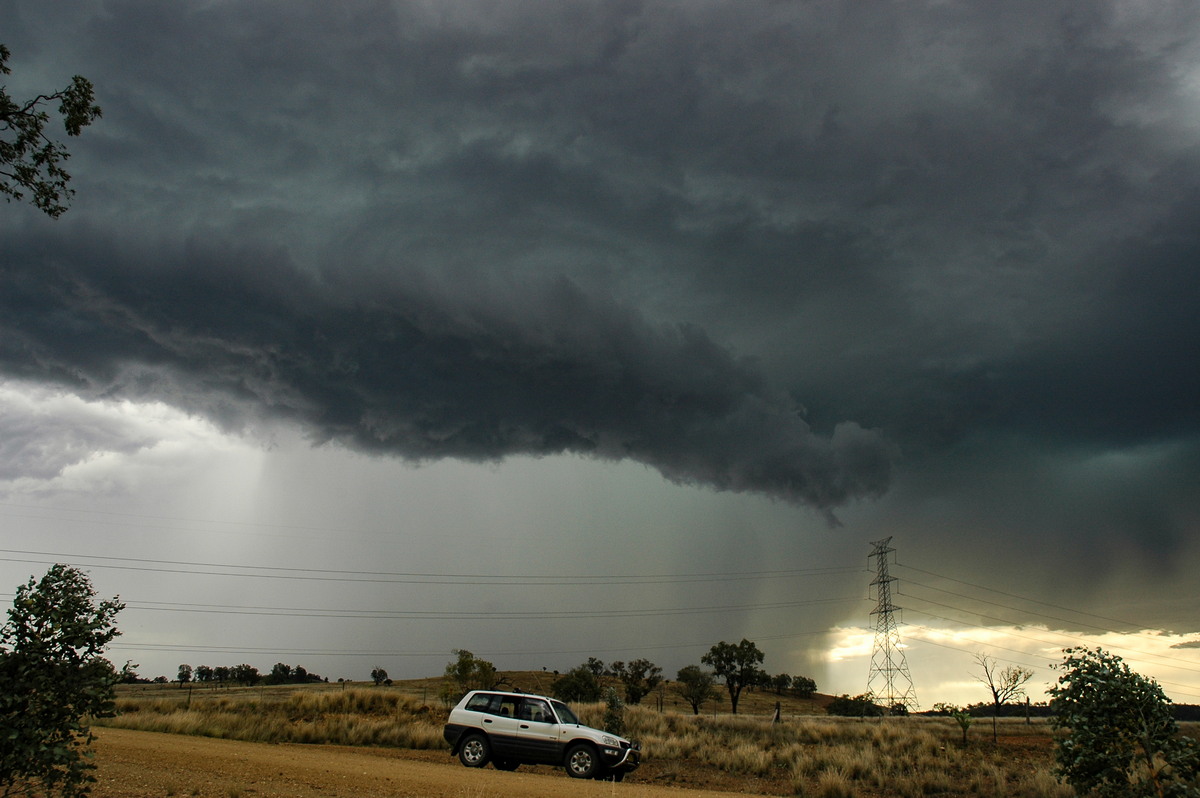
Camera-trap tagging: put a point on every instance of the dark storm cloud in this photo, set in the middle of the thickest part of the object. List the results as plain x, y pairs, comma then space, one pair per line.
472, 229
228, 332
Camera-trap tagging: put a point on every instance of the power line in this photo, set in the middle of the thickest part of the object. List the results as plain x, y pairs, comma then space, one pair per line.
1042, 666
1143, 654
193, 648
402, 577
1025, 598
314, 613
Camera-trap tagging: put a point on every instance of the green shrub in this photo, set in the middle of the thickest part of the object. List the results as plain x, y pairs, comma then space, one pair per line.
1122, 740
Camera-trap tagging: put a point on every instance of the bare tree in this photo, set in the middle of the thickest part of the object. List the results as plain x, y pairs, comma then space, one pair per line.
1005, 684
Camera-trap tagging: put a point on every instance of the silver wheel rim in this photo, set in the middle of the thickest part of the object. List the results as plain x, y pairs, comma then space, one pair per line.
473, 750
581, 761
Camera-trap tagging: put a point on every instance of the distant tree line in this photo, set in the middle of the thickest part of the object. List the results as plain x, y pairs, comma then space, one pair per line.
859, 706
735, 666
245, 675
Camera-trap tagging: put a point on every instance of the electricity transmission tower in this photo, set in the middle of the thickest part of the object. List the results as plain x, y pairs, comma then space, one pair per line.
889, 682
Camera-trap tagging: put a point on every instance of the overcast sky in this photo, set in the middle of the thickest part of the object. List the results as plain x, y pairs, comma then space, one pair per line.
615, 329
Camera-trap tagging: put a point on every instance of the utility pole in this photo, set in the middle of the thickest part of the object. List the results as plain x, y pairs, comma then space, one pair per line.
889, 681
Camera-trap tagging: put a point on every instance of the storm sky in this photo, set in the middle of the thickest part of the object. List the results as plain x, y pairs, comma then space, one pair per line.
615, 329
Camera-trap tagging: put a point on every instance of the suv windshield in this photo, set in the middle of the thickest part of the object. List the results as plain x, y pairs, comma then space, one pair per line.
564, 713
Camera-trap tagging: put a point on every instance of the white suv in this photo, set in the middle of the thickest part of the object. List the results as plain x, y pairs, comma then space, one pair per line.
512, 729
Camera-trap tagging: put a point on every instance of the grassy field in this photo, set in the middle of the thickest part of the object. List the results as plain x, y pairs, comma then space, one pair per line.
808, 754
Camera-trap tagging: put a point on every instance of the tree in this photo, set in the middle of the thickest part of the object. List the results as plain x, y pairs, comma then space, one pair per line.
961, 716
781, 682
696, 686
860, 706
803, 686
737, 665
639, 677
55, 680
1004, 685
594, 665
185, 674
379, 676
246, 674
1122, 738
129, 674
30, 161
281, 673
614, 713
580, 684
469, 672
204, 673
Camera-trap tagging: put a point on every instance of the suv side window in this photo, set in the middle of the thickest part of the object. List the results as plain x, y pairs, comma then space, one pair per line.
507, 706
536, 710
494, 704
484, 702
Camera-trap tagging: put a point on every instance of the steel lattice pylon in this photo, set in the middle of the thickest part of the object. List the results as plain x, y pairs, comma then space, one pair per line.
889, 682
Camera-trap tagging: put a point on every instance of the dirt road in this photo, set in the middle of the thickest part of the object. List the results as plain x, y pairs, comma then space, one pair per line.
144, 764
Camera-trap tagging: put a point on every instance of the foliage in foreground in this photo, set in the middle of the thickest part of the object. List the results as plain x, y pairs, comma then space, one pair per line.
1122, 739
30, 161
54, 679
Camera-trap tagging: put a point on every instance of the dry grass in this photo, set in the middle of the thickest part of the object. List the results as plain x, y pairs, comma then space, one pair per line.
360, 716
829, 756
805, 755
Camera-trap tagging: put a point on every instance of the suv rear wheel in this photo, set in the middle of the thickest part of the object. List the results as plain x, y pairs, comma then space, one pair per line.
475, 751
582, 761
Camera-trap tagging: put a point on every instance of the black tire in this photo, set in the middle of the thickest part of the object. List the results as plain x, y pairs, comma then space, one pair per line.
475, 751
619, 775
582, 761
505, 764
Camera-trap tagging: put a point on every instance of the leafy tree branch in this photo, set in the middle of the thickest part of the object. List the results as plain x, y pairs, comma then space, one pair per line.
30, 161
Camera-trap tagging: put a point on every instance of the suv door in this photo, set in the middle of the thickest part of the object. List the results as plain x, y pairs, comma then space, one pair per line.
498, 718
539, 731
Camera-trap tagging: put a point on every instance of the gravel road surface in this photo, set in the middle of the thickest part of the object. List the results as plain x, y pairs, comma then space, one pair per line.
132, 764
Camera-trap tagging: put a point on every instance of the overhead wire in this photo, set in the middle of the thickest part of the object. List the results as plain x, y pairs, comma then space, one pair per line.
195, 648
403, 577
1170, 662
536, 580
1147, 656
312, 613
1022, 598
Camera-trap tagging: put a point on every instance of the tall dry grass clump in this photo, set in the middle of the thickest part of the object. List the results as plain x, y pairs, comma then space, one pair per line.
367, 717
833, 757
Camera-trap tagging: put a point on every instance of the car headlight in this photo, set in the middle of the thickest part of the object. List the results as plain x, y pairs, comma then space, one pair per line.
611, 741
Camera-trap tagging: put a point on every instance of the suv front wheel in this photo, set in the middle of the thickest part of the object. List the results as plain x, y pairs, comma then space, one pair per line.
582, 761
475, 751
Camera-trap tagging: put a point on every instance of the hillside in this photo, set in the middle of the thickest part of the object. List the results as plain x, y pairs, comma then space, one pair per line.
428, 689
